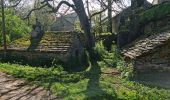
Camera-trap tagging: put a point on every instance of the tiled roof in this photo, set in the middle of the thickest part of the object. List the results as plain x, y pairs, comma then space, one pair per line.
145, 45
58, 42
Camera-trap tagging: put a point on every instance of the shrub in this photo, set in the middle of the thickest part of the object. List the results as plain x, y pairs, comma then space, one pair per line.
15, 27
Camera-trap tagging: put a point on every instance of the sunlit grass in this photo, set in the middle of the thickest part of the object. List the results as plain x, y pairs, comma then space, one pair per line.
91, 84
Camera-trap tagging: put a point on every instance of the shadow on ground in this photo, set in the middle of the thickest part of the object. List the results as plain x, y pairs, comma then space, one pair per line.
94, 87
154, 79
15, 89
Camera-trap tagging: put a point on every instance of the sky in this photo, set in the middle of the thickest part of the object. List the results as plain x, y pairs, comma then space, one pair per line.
94, 4
150, 1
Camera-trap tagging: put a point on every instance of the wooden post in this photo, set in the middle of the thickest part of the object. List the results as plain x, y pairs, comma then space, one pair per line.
3, 27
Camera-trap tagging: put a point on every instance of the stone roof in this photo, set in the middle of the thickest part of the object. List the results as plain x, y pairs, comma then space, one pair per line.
145, 45
58, 42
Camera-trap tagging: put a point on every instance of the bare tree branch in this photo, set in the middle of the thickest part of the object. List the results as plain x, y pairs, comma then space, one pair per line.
14, 4
34, 10
96, 13
54, 10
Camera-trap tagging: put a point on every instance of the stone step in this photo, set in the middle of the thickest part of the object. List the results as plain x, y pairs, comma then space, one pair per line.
49, 50
59, 49
64, 47
55, 45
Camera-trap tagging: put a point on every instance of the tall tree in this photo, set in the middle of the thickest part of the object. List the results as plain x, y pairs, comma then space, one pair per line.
79, 9
110, 16
3, 27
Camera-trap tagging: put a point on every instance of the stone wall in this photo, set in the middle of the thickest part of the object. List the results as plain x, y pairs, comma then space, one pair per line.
157, 26
33, 57
159, 59
77, 48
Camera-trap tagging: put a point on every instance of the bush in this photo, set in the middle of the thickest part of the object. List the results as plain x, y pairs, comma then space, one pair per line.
107, 58
126, 69
100, 50
15, 27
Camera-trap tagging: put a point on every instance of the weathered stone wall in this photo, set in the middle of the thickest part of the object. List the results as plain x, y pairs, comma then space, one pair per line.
77, 48
157, 26
33, 57
158, 60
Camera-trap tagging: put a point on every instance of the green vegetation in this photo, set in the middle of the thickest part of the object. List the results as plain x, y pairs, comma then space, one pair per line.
103, 75
15, 27
100, 81
155, 13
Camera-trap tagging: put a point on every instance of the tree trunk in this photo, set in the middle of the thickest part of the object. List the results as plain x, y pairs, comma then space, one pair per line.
110, 16
88, 11
3, 27
80, 10
100, 21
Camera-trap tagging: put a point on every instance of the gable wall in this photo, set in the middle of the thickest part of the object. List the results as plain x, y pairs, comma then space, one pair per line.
158, 60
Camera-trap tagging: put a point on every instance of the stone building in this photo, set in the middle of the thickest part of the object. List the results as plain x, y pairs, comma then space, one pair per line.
52, 45
151, 53
65, 23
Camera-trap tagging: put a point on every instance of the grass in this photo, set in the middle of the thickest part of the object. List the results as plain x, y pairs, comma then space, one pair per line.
95, 83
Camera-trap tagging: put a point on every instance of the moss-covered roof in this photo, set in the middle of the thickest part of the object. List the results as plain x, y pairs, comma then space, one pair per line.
155, 13
145, 45
50, 41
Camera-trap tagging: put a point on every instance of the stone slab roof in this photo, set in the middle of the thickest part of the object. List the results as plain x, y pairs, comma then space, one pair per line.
145, 45
58, 42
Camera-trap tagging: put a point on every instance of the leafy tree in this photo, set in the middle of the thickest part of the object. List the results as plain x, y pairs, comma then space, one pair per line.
15, 27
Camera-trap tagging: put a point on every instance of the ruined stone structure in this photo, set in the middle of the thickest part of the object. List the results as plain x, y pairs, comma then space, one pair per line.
127, 22
53, 45
151, 53
157, 26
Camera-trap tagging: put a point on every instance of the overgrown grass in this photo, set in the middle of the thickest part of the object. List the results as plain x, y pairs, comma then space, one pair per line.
94, 83
90, 84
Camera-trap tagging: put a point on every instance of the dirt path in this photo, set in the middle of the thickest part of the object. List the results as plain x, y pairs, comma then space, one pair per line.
17, 89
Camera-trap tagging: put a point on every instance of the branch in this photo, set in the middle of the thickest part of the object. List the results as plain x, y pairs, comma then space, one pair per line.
54, 10
34, 10
15, 4
96, 13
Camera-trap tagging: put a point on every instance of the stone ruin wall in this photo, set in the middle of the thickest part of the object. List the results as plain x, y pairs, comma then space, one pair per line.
157, 26
33, 57
158, 60
77, 48
44, 57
